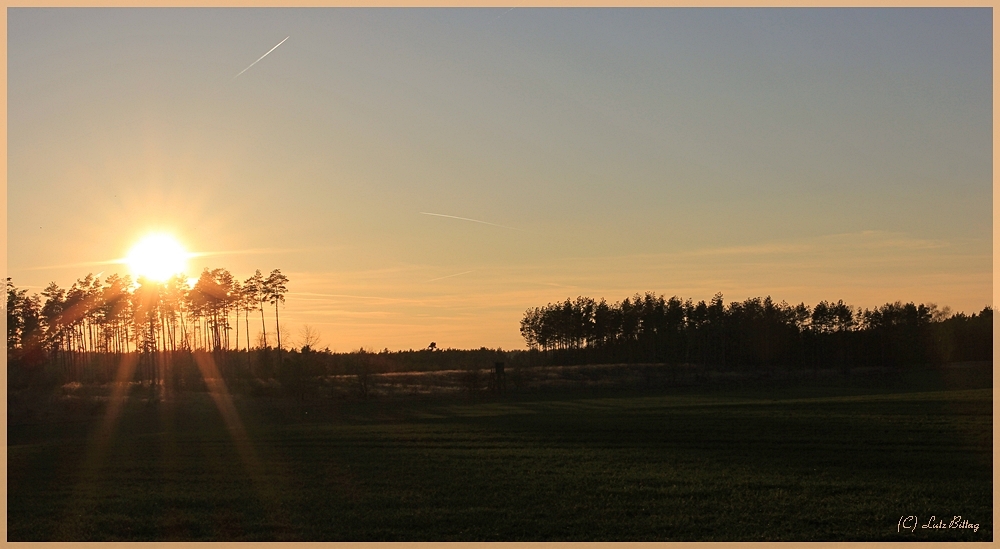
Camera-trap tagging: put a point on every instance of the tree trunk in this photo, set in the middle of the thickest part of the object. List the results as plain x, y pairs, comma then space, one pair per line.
263, 329
246, 323
276, 325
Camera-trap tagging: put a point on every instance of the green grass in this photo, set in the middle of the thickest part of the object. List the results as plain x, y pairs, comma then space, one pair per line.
764, 463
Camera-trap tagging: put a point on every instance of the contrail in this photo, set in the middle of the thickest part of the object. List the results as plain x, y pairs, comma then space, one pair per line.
261, 57
449, 276
474, 221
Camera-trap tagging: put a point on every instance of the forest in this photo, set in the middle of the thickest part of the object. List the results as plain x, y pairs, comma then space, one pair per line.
755, 333
82, 333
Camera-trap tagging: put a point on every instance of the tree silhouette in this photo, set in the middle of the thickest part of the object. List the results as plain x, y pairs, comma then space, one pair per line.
310, 337
274, 291
23, 316
206, 298
224, 280
755, 333
72, 332
255, 289
248, 299
236, 298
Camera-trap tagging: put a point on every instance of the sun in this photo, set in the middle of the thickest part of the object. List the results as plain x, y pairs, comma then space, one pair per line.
157, 257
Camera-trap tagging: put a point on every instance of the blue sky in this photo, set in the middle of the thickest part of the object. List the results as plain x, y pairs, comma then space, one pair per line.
803, 153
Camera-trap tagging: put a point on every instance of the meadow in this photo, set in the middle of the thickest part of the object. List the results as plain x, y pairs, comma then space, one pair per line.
835, 458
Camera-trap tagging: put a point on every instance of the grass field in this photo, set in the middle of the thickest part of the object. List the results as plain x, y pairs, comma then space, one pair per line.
803, 461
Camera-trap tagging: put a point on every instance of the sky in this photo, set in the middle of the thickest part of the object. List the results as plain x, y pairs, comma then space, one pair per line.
806, 154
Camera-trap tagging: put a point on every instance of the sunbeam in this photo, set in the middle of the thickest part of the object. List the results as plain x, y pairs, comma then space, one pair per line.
100, 441
234, 425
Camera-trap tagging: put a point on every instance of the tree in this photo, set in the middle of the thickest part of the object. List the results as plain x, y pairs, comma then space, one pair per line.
146, 308
52, 312
115, 312
274, 291
208, 296
254, 287
23, 317
310, 337
247, 299
236, 298
173, 294
225, 281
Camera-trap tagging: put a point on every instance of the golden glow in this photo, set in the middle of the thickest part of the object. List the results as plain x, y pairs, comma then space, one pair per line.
157, 257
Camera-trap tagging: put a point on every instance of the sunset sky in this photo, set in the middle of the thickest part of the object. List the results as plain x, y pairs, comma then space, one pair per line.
805, 154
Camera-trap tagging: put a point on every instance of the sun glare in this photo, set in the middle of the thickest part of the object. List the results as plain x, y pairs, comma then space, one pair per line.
157, 257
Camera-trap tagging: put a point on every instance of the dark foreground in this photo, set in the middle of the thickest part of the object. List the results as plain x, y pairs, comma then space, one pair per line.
831, 459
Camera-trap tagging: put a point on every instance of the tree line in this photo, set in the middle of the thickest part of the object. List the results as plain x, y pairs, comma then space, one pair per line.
81, 333
93, 318
757, 332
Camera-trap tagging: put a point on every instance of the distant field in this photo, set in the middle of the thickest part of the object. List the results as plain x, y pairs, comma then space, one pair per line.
829, 459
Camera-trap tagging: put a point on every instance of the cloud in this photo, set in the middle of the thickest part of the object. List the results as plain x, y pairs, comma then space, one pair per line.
119, 261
